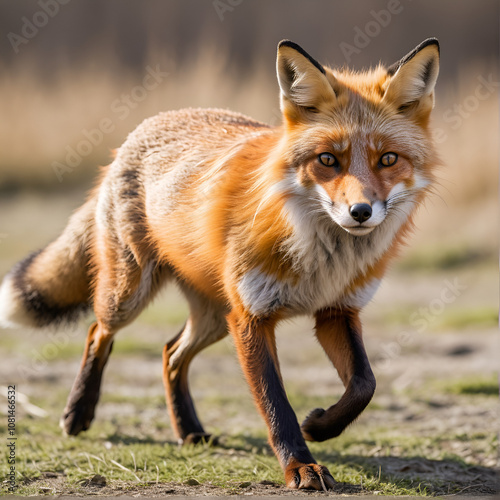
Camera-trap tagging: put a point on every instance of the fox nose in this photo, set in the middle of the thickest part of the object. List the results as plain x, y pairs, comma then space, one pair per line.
361, 212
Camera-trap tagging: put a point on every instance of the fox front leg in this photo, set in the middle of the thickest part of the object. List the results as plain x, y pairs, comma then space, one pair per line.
256, 347
339, 333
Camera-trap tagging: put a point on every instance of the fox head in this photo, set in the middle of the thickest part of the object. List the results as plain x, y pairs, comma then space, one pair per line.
359, 144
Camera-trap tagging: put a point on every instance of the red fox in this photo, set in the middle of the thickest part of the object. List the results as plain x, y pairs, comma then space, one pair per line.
255, 224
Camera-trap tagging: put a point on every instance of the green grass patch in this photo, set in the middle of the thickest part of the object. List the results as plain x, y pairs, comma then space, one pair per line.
434, 258
474, 385
451, 318
460, 319
131, 455
139, 401
170, 309
303, 403
135, 346
124, 346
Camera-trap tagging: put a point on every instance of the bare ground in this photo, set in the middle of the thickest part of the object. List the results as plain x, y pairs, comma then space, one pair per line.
418, 347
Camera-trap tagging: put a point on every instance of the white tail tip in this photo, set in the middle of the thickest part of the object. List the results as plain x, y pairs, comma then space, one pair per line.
12, 311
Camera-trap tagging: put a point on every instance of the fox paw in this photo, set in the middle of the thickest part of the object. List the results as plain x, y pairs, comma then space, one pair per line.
75, 420
80, 408
309, 477
311, 426
199, 437
317, 426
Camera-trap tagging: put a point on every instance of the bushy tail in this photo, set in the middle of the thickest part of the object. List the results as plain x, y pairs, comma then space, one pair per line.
51, 285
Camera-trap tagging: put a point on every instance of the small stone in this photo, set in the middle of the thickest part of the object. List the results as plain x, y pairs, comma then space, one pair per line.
49, 474
98, 480
266, 482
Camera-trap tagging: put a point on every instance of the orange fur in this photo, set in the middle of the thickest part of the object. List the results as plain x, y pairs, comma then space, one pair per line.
255, 224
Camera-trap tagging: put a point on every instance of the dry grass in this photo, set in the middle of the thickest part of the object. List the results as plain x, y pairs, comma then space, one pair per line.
42, 116
468, 178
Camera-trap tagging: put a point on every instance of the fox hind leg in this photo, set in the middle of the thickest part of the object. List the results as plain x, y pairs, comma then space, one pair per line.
80, 407
206, 325
121, 293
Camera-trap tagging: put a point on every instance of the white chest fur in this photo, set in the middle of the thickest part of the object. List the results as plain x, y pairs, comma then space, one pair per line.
326, 259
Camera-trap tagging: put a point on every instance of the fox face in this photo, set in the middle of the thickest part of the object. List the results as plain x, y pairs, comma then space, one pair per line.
359, 143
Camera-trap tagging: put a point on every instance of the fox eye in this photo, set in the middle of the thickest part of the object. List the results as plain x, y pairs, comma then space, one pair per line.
388, 159
328, 160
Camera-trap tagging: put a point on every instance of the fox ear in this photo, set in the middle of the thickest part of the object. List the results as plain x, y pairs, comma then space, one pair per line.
411, 81
302, 80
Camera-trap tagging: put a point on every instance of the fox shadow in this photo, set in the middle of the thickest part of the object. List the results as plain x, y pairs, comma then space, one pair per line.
445, 476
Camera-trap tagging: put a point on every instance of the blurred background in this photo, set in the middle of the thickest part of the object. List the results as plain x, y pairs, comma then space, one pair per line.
76, 77
73, 76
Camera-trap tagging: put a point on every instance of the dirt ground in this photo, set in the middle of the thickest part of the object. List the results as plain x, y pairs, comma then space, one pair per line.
400, 404
424, 351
